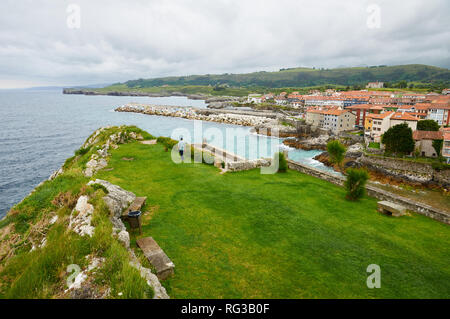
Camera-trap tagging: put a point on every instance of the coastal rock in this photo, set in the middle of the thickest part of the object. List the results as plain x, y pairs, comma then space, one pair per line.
94, 165
56, 174
117, 198
200, 114
354, 151
80, 219
151, 278
124, 238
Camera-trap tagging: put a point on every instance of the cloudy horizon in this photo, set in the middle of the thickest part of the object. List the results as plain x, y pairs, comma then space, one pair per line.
43, 43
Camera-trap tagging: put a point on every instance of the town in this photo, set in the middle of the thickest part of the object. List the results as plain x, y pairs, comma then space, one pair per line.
371, 113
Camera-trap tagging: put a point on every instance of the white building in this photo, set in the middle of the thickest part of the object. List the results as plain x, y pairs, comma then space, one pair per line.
439, 113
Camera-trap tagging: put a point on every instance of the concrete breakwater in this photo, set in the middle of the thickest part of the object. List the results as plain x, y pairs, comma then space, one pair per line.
244, 118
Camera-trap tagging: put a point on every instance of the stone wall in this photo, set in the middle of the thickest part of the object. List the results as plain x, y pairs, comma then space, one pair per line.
248, 164
372, 191
407, 170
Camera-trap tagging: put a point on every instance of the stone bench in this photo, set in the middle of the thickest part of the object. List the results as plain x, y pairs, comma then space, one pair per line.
391, 209
163, 265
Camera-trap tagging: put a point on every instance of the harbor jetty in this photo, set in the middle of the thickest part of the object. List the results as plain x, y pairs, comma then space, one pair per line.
235, 117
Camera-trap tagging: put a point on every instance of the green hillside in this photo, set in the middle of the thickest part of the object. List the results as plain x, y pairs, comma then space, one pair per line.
307, 77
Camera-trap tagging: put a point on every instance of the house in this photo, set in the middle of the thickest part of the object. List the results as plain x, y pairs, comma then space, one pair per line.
255, 98
445, 91
338, 120
446, 146
281, 100
375, 85
377, 124
314, 117
440, 112
401, 118
424, 142
360, 111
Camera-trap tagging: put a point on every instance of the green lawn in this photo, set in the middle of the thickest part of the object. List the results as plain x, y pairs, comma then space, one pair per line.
247, 235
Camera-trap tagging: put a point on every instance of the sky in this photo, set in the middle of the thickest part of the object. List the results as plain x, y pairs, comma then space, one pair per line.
77, 42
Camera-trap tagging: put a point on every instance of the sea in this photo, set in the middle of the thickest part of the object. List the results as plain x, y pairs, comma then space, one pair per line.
40, 129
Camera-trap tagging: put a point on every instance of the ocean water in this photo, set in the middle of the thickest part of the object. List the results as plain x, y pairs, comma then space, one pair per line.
40, 129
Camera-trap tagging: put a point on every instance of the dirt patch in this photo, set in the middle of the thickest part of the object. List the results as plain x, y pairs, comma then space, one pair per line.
129, 159
149, 142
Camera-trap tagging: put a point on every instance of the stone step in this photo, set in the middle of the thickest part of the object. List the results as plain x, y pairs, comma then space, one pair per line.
163, 265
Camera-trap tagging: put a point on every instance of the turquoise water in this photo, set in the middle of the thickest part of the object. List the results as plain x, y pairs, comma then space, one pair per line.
40, 129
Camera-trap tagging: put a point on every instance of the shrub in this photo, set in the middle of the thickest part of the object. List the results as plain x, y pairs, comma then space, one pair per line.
440, 166
355, 183
336, 152
282, 163
167, 142
82, 151
427, 125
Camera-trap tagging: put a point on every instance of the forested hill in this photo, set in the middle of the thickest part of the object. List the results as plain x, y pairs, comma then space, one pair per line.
304, 77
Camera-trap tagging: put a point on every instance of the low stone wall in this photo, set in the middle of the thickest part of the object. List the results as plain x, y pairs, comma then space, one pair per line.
354, 138
408, 170
372, 191
248, 164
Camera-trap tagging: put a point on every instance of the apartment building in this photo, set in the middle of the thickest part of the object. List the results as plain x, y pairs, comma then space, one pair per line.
338, 121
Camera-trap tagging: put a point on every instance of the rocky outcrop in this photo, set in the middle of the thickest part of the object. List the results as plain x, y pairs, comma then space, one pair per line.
99, 161
407, 170
314, 143
117, 198
117, 201
80, 219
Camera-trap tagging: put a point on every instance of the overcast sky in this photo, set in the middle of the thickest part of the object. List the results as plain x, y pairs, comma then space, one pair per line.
118, 40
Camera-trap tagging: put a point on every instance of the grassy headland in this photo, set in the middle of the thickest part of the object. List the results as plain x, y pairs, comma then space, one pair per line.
236, 235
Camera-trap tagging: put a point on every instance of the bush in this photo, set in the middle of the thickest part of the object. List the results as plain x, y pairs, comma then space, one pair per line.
167, 142
282, 163
336, 152
355, 183
427, 125
82, 151
440, 166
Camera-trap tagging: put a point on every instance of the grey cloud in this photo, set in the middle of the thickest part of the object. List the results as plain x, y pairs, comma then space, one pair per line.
121, 40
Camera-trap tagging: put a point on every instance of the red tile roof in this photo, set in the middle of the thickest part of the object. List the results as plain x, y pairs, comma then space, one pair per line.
427, 135
404, 117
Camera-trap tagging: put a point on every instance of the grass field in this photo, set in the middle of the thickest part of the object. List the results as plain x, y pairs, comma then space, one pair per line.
247, 235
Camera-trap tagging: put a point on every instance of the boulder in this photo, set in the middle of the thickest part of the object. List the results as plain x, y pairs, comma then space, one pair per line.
80, 219
117, 198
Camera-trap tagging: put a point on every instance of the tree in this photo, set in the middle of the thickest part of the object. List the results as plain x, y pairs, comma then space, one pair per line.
437, 145
402, 84
336, 152
398, 139
355, 183
427, 125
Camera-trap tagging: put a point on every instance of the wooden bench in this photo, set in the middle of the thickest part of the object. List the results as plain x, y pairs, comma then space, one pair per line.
391, 209
163, 265
135, 206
